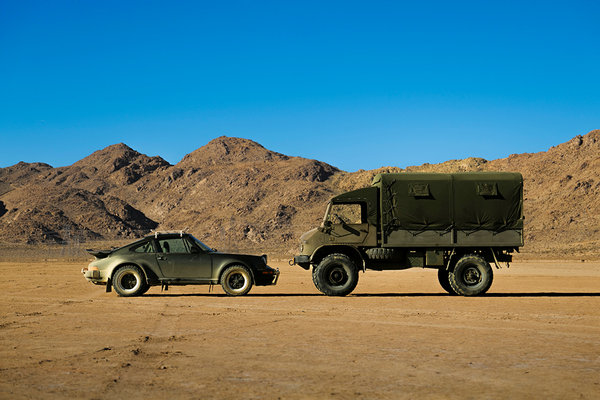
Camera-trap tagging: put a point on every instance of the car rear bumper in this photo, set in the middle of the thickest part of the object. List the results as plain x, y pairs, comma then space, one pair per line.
93, 276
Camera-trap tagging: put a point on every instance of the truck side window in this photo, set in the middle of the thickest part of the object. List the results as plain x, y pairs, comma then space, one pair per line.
350, 213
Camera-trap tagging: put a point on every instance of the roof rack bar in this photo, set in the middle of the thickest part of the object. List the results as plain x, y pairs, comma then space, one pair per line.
180, 232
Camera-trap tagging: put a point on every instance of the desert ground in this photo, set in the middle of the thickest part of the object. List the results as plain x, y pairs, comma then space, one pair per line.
535, 335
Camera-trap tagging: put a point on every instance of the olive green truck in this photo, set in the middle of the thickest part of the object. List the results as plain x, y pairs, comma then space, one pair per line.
457, 223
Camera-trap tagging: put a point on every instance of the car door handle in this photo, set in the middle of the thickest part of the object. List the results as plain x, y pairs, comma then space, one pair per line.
161, 257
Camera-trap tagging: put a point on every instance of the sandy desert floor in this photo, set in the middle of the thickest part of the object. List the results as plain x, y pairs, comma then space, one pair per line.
535, 335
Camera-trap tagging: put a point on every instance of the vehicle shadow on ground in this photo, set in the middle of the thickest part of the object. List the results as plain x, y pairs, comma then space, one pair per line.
224, 295
524, 294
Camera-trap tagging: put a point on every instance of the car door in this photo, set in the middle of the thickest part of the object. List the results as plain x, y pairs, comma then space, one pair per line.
179, 258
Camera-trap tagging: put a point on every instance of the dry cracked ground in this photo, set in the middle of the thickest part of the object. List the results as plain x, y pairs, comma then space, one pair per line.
535, 335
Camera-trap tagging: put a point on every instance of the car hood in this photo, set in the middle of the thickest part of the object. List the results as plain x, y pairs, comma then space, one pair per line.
242, 257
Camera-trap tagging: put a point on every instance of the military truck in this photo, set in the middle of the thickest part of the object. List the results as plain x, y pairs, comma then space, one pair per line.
457, 223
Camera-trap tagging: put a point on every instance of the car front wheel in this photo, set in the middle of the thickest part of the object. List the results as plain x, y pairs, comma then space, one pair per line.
236, 280
129, 281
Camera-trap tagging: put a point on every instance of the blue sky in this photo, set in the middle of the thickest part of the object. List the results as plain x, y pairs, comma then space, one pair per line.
355, 84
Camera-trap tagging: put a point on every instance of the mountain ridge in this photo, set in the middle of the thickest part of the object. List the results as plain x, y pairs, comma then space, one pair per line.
233, 191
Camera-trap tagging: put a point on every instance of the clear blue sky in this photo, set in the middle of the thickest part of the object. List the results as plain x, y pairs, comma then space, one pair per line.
355, 84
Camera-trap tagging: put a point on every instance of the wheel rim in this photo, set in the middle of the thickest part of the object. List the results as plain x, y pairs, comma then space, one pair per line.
472, 276
337, 276
129, 282
236, 281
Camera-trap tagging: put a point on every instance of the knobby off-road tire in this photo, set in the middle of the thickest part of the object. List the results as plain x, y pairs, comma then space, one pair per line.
336, 275
444, 279
236, 280
381, 253
129, 281
471, 276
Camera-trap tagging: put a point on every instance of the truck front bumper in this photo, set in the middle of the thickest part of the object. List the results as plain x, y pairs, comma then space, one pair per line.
302, 260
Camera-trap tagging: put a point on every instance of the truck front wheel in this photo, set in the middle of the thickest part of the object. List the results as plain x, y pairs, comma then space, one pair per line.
336, 275
472, 276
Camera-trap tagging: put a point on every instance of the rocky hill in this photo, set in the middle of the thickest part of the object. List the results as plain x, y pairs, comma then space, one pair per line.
237, 194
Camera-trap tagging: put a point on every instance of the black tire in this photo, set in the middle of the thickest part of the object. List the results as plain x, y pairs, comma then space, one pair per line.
472, 276
381, 253
336, 275
146, 288
129, 281
236, 280
444, 279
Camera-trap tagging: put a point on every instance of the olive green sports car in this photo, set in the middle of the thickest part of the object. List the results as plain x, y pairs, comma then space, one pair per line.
176, 259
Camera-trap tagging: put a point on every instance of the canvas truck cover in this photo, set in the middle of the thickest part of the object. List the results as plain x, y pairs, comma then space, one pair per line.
446, 209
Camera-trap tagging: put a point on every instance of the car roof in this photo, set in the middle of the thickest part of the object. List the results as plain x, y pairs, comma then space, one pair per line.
157, 235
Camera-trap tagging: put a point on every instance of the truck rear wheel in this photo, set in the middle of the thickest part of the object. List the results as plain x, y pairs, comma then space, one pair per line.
472, 276
336, 275
444, 279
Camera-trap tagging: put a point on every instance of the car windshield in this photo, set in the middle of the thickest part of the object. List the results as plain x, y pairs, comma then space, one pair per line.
201, 245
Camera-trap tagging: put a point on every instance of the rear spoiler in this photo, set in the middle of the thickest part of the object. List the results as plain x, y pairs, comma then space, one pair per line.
99, 253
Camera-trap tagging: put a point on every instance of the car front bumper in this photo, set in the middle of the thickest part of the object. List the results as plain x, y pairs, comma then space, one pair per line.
267, 277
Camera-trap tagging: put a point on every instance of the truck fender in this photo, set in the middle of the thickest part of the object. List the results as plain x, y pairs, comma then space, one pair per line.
325, 250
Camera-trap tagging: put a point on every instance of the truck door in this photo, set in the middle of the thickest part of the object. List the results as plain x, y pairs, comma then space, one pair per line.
178, 258
348, 223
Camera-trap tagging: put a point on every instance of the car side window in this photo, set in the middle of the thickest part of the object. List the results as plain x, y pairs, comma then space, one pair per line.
193, 247
175, 245
144, 248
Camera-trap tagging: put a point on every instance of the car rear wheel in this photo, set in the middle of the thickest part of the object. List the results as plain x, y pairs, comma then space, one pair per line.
236, 280
129, 281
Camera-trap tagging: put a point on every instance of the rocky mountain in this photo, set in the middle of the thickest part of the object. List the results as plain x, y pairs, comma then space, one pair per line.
234, 193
